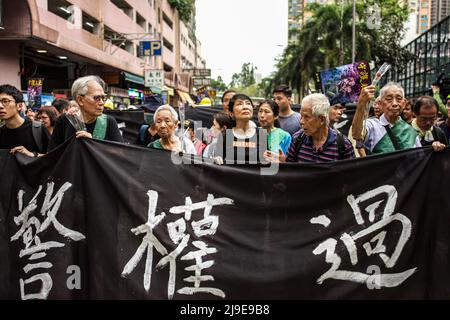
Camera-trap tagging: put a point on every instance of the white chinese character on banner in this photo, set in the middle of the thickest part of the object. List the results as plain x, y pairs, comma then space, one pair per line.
33, 245
177, 233
373, 278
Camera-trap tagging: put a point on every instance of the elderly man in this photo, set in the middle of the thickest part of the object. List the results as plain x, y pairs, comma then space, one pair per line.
389, 132
89, 93
316, 142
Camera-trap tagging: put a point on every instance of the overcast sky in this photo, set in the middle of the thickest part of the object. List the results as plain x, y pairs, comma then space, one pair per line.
233, 32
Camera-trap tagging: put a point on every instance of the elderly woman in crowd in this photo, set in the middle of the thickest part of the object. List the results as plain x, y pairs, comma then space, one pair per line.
48, 116
166, 122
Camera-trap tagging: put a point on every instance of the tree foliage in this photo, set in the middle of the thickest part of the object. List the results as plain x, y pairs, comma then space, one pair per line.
245, 78
185, 8
219, 84
325, 41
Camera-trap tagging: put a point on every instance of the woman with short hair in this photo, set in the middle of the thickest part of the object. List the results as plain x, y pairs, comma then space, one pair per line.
48, 116
277, 139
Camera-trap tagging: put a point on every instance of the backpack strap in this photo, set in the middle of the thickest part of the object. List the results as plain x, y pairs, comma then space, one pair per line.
341, 145
298, 144
100, 127
36, 129
392, 137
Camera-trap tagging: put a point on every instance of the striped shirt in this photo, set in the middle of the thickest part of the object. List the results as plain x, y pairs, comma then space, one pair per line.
327, 153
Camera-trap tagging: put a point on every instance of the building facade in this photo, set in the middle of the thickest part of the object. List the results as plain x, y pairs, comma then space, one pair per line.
61, 40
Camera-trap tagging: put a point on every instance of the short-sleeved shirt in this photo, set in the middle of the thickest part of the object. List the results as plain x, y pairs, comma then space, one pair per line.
326, 153
23, 136
290, 123
64, 130
377, 139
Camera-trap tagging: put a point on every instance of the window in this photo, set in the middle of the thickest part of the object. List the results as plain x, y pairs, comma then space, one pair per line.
140, 21
167, 20
168, 45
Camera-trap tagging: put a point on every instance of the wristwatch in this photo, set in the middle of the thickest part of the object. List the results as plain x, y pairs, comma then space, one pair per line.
35, 154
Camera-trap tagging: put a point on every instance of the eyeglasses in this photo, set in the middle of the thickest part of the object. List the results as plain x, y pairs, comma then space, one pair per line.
97, 98
426, 119
5, 102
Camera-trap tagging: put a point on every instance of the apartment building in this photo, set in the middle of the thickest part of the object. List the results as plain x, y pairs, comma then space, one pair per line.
60, 40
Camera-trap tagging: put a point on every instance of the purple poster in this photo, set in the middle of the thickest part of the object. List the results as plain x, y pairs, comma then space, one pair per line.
343, 84
34, 92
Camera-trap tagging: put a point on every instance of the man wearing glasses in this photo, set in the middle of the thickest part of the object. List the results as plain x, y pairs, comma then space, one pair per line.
89, 94
426, 112
18, 134
388, 133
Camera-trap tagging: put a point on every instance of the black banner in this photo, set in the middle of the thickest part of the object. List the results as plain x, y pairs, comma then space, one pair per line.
102, 220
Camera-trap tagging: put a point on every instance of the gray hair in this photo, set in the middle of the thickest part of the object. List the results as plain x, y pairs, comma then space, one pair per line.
389, 85
320, 105
167, 108
80, 86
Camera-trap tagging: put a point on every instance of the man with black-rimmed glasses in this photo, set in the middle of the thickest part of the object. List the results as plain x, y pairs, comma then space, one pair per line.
89, 93
18, 134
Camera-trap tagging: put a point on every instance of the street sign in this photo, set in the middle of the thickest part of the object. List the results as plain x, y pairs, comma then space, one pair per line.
150, 48
198, 82
199, 72
154, 78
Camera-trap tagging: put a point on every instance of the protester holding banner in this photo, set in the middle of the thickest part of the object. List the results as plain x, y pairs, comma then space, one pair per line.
277, 139
166, 123
48, 117
19, 134
90, 96
317, 142
426, 111
244, 143
390, 132
289, 119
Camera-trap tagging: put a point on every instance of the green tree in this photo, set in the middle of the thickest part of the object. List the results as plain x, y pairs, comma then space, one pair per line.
325, 41
219, 84
185, 8
245, 78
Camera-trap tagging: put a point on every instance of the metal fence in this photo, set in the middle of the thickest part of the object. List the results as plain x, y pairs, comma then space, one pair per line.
432, 58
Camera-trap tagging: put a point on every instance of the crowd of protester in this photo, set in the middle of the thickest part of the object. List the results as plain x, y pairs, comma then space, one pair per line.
383, 122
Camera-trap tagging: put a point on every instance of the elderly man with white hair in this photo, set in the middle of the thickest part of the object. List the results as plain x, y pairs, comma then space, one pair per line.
389, 132
89, 94
316, 142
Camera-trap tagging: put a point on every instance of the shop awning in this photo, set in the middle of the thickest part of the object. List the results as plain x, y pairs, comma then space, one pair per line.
185, 97
169, 90
133, 78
